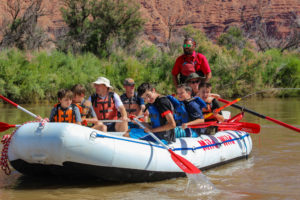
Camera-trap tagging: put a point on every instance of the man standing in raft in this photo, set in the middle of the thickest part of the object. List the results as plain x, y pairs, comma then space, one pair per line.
190, 62
106, 105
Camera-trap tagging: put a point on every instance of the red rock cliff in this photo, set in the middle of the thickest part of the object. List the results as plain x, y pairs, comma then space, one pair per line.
211, 16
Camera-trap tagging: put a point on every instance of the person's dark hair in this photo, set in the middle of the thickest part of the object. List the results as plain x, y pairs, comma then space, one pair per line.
64, 93
78, 89
190, 39
143, 88
205, 84
185, 87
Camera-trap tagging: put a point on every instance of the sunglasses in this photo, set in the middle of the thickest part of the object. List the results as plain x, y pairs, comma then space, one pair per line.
193, 82
187, 45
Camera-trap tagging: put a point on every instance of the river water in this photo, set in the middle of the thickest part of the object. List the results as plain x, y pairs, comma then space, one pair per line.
272, 170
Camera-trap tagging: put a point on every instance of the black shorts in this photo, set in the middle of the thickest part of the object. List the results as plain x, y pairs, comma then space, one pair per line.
111, 126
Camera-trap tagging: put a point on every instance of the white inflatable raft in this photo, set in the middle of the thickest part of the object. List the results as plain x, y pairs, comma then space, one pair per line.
70, 149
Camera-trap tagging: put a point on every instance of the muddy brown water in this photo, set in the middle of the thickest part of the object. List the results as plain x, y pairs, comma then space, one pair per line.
272, 171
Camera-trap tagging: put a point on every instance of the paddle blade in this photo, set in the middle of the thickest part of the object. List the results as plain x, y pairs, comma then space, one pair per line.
5, 126
249, 127
240, 126
234, 126
184, 164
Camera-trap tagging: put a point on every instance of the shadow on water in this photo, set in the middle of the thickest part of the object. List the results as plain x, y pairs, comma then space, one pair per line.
17, 181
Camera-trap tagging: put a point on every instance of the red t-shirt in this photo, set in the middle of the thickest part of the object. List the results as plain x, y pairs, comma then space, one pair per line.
199, 60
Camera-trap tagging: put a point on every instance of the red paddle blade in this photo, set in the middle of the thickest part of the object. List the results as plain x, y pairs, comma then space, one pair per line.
249, 127
5, 126
235, 126
241, 126
184, 164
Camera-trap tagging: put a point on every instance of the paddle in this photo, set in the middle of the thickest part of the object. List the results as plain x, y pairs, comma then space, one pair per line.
182, 163
221, 108
18, 106
5, 126
262, 116
235, 126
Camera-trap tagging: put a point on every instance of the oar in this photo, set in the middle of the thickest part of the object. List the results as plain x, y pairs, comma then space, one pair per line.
5, 126
235, 126
18, 106
110, 120
221, 108
182, 163
119, 120
262, 116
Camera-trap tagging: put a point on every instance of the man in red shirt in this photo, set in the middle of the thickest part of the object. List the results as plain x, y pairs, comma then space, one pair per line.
190, 62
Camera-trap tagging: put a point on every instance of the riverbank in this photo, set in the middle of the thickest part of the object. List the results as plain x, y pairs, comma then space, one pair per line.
30, 77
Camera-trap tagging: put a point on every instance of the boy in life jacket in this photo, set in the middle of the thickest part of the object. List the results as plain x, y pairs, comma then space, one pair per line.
134, 104
65, 111
106, 105
193, 108
211, 101
190, 62
86, 109
161, 114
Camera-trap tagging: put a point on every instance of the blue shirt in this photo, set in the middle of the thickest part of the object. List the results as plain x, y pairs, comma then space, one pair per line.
193, 109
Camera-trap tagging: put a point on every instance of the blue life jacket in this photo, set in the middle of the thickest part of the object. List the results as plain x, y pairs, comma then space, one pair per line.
156, 119
154, 116
200, 102
180, 114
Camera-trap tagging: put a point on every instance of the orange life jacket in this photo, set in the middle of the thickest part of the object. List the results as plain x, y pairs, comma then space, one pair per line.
105, 108
84, 112
64, 115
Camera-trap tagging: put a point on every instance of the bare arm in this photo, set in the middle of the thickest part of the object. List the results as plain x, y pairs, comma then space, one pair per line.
194, 122
93, 120
169, 125
208, 77
142, 107
123, 112
219, 117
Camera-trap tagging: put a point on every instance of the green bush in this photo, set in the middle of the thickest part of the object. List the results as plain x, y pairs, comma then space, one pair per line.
27, 77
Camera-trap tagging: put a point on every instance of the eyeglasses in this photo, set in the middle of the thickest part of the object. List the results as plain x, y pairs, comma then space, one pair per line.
130, 85
187, 45
193, 82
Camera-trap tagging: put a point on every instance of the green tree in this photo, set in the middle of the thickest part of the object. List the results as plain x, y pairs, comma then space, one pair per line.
19, 26
99, 26
232, 38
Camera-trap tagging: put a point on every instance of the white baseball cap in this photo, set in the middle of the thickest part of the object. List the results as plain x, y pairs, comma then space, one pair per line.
104, 81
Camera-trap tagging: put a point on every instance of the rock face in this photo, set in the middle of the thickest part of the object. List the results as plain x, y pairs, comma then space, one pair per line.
211, 16
214, 16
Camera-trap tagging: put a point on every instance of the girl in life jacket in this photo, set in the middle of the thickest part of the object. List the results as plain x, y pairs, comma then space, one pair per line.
65, 111
212, 103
